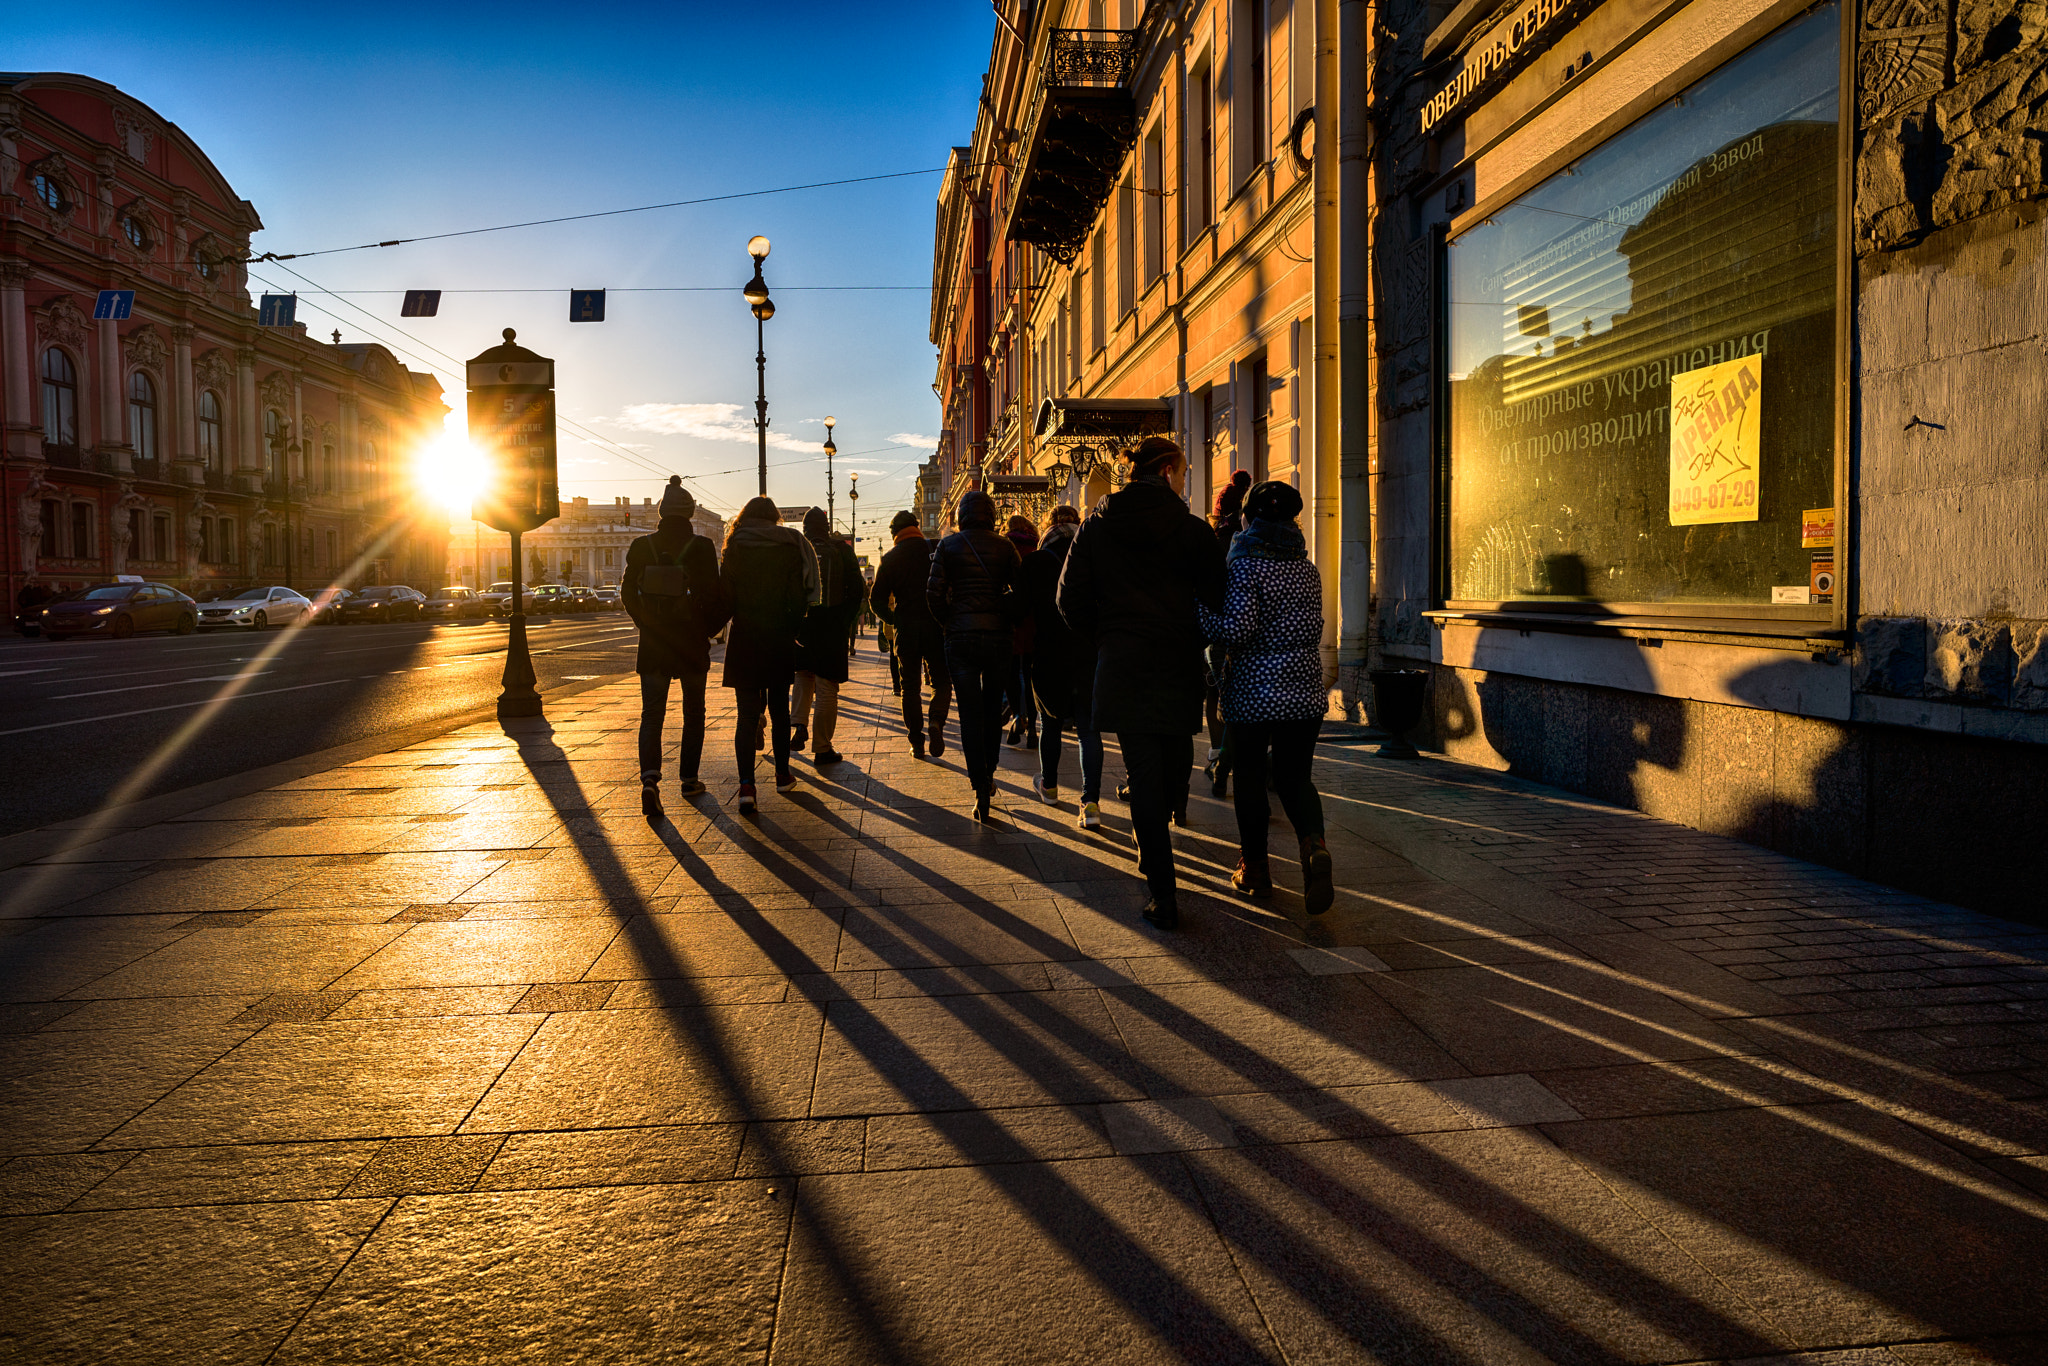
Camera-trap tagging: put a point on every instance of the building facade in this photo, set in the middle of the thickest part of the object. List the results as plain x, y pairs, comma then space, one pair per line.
1663, 379
185, 443
585, 546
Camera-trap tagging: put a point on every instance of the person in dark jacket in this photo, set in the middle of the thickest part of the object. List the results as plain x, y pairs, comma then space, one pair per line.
770, 581
1062, 671
1227, 516
678, 607
1138, 569
1275, 695
900, 599
826, 638
973, 573
1022, 706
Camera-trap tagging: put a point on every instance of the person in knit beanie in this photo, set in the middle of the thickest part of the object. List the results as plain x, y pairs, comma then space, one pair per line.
677, 501
671, 590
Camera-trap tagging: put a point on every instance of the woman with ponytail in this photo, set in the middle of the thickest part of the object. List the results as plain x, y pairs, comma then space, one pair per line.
1132, 582
1274, 697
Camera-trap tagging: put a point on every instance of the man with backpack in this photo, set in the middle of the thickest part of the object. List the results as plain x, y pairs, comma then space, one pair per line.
671, 590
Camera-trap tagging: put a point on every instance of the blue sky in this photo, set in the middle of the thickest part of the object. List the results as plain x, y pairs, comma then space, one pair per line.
359, 123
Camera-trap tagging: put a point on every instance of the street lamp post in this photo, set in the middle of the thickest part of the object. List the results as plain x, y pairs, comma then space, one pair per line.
853, 513
831, 512
756, 295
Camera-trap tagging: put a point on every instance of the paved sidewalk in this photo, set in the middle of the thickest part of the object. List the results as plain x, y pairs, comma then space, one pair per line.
445, 1055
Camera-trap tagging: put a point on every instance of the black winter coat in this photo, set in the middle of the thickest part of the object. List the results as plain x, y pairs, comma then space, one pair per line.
1063, 662
763, 575
1132, 580
675, 633
827, 633
970, 570
898, 594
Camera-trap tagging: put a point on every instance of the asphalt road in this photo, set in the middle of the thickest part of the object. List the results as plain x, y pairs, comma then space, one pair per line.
80, 720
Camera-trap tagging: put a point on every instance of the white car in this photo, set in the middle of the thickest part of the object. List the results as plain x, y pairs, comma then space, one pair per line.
255, 608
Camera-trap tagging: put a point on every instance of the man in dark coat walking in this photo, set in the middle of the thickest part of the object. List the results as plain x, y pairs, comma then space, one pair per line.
671, 590
899, 598
1138, 569
825, 639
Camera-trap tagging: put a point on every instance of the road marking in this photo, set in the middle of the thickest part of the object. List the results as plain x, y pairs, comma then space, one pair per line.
174, 706
15, 673
173, 683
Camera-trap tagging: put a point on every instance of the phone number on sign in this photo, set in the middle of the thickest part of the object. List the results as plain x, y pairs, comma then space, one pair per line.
1714, 497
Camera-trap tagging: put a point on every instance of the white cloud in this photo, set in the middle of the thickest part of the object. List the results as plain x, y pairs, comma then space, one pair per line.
929, 443
707, 422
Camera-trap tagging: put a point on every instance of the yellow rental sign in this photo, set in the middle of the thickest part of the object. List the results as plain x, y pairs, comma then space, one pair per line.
1716, 412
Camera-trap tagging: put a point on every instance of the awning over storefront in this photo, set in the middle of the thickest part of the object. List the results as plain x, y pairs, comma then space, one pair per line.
1108, 422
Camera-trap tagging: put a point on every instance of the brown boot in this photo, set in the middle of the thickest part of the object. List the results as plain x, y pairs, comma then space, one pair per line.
1317, 888
1254, 876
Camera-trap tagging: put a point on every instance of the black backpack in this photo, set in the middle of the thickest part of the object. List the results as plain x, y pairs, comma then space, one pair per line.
666, 593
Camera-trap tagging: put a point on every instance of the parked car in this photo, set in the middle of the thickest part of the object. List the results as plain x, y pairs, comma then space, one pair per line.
584, 599
256, 608
118, 610
551, 597
608, 596
497, 599
385, 602
327, 605
452, 602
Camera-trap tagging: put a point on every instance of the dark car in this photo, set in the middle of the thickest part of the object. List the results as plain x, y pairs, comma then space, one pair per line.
455, 601
119, 610
585, 599
551, 597
327, 605
386, 602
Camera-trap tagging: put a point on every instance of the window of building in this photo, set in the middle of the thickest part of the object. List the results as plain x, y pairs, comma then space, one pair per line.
1251, 89
1262, 416
160, 538
206, 541
1153, 204
1199, 177
50, 193
1126, 249
136, 546
273, 443
1642, 352
205, 262
1098, 334
327, 469
51, 517
136, 231
226, 529
142, 415
60, 400
607, 559
209, 428
334, 550
81, 531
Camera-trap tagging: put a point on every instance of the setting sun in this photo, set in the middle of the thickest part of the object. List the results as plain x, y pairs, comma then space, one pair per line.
451, 472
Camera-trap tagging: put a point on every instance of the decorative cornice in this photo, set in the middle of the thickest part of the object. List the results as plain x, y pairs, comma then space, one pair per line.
245, 357
15, 273
183, 333
145, 348
61, 321
136, 133
214, 370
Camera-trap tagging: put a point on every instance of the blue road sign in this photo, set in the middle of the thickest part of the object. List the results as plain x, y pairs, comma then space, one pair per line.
116, 304
421, 303
279, 310
586, 305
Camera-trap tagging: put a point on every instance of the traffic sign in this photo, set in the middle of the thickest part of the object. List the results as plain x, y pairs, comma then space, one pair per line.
114, 304
420, 303
278, 310
512, 426
586, 305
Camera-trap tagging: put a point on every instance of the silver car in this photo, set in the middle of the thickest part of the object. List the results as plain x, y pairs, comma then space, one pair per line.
255, 608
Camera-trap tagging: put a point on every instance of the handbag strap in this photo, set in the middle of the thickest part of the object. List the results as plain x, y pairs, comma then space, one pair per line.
968, 537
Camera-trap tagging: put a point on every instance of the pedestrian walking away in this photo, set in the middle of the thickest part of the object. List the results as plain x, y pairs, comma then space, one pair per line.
826, 639
770, 579
672, 591
1137, 571
1274, 695
1023, 709
972, 593
901, 600
1062, 671
1227, 516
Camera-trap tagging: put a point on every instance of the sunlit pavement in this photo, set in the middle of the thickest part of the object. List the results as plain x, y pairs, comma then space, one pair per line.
445, 1054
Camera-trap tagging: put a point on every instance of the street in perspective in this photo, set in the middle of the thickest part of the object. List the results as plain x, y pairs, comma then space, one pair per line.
1125, 681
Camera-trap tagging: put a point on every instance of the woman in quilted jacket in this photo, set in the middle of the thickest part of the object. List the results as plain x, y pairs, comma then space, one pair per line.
1273, 695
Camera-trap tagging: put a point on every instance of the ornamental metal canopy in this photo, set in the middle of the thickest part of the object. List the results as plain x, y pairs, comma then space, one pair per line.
1112, 422
1080, 129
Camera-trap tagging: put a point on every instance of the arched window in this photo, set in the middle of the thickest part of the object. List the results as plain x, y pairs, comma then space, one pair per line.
273, 442
209, 428
142, 415
50, 191
60, 400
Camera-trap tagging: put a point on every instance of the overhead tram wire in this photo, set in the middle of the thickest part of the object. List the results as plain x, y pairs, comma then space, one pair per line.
603, 442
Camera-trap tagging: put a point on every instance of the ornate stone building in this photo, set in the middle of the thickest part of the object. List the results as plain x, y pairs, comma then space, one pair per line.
584, 546
185, 443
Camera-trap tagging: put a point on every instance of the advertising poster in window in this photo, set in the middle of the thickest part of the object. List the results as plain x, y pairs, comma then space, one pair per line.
1716, 414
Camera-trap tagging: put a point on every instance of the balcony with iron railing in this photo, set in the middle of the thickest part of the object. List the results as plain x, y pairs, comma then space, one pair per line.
1082, 124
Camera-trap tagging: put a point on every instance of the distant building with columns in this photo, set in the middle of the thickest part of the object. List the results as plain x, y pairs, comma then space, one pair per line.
185, 443
584, 546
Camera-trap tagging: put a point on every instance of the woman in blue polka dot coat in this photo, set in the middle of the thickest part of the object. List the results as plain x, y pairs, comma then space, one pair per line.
1273, 691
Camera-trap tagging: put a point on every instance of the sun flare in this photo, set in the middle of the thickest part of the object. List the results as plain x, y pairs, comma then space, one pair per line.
451, 472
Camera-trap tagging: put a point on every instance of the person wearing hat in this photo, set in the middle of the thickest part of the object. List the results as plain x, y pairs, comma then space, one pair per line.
1274, 696
825, 639
972, 593
770, 575
898, 596
671, 590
